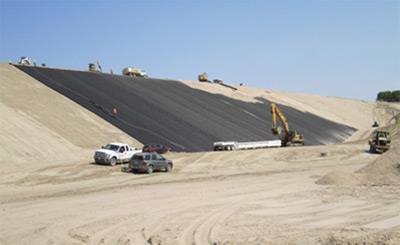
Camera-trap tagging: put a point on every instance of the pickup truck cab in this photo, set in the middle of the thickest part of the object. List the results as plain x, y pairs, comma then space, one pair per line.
114, 153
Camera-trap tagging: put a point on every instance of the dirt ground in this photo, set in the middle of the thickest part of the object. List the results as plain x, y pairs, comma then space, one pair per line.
248, 197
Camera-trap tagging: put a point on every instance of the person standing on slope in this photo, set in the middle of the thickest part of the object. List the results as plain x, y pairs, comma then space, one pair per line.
114, 112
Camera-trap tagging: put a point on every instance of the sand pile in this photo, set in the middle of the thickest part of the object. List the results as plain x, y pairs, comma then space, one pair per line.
340, 178
385, 170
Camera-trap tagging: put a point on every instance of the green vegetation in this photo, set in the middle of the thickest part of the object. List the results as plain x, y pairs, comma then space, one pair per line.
390, 96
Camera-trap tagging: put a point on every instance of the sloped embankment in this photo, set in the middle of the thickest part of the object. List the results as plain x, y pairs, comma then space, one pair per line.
355, 113
169, 112
385, 170
40, 125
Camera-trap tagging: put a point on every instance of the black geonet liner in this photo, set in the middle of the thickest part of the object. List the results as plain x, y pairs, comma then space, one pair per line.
173, 114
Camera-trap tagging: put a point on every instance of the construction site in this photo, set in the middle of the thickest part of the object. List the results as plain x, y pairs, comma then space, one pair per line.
250, 166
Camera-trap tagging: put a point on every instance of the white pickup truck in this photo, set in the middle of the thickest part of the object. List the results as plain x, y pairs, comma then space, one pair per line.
114, 153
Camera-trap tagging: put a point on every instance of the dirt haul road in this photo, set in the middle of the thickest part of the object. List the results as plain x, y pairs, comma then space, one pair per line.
247, 197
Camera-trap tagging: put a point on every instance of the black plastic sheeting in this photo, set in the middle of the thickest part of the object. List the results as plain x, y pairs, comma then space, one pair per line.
173, 114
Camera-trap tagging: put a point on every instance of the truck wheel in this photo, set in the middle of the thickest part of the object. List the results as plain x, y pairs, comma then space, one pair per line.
113, 161
168, 168
150, 169
371, 149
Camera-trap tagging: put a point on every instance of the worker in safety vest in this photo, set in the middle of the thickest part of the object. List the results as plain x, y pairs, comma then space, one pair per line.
114, 112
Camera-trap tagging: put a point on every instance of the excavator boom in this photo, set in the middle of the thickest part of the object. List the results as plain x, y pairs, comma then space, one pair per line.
275, 111
290, 137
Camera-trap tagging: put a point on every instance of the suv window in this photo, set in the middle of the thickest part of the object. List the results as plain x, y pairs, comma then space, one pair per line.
122, 149
147, 157
154, 157
138, 157
159, 157
126, 148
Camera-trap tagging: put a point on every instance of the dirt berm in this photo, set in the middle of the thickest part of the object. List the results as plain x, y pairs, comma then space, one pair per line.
172, 113
385, 170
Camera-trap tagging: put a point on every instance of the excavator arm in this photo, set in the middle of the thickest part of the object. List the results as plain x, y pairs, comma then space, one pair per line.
276, 130
291, 137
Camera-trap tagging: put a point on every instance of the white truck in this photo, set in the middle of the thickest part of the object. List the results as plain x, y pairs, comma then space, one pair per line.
234, 145
114, 153
26, 61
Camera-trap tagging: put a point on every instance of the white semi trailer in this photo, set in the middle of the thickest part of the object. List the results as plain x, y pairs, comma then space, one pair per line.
234, 145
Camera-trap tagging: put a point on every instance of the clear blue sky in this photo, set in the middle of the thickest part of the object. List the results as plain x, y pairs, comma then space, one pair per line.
338, 48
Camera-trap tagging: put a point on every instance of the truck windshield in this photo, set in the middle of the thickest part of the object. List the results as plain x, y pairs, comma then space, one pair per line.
111, 147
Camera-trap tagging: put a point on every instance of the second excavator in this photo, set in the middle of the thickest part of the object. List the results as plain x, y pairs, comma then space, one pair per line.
290, 137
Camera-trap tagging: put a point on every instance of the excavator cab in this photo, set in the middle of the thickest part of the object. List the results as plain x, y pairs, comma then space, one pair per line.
295, 138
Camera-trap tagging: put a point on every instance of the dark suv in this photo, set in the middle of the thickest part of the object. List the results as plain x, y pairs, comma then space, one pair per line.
149, 162
156, 148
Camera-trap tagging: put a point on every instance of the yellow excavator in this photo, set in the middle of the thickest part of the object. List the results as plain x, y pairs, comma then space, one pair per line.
290, 138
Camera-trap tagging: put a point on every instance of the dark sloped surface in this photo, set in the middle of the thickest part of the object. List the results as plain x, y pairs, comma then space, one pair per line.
171, 113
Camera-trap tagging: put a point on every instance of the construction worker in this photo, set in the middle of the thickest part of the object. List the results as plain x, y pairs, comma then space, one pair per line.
114, 112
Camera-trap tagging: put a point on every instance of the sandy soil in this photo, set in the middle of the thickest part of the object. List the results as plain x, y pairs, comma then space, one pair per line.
248, 197
385, 170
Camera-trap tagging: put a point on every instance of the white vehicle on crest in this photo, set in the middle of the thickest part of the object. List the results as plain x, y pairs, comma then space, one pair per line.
26, 61
114, 153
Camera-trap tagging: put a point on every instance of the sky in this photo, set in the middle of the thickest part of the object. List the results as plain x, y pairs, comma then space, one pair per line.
337, 48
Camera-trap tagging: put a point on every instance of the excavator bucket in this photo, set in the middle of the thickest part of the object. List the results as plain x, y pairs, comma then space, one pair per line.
277, 130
